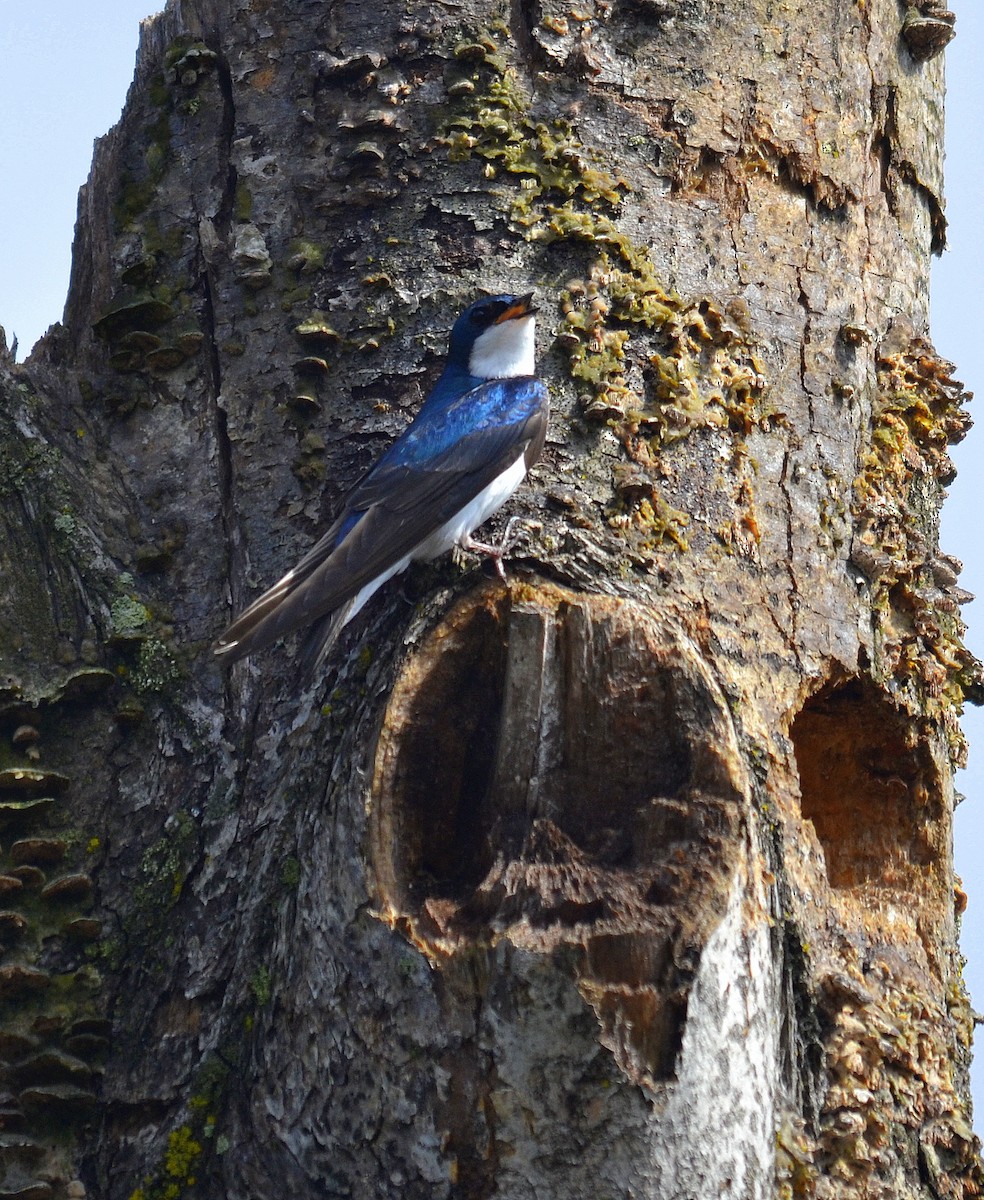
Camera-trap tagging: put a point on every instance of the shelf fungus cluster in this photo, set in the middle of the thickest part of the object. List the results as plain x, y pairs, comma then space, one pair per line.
53, 1032
319, 338
134, 330
927, 29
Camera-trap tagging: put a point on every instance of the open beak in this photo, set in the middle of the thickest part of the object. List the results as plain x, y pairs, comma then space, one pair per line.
521, 307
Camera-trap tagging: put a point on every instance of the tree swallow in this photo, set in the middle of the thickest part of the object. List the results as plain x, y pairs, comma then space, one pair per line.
461, 458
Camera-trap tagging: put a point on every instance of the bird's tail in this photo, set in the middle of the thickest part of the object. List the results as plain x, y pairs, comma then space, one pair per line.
320, 640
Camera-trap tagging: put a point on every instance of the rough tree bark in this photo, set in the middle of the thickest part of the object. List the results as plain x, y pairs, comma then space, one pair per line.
630, 878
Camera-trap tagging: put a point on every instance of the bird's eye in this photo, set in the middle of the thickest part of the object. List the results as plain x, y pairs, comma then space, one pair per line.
483, 316
487, 314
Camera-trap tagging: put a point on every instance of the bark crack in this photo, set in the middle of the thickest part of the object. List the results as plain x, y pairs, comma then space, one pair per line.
905, 171
794, 597
220, 422
524, 15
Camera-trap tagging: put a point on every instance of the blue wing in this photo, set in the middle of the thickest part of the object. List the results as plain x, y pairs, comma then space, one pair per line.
443, 460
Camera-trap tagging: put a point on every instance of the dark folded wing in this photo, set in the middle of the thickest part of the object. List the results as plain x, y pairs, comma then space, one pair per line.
396, 506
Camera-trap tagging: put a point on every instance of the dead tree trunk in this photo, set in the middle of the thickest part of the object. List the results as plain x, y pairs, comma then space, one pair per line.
630, 878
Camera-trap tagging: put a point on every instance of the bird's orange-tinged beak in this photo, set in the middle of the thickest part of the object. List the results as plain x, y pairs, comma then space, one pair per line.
522, 308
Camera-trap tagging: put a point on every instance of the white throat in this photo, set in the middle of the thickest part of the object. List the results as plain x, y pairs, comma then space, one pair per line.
504, 351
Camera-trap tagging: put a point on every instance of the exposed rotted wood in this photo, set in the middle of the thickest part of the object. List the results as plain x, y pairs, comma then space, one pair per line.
514, 781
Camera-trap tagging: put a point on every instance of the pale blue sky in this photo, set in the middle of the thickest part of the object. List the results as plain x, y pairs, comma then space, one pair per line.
66, 69
956, 331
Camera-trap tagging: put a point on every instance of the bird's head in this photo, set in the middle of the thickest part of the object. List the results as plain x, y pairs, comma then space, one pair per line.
494, 337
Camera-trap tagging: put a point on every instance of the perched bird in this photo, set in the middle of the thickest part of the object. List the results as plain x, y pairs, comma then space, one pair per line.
464, 454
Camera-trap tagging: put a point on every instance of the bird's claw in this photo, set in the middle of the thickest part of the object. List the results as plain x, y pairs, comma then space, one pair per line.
510, 535
499, 550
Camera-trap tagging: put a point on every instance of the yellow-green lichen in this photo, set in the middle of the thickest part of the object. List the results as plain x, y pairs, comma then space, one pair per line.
539, 161
703, 373
646, 521
66, 527
138, 188
290, 872
796, 1169
177, 1171
163, 868
309, 465
261, 985
182, 1153
192, 1142
156, 671
25, 461
128, 616
291, 297
243, 202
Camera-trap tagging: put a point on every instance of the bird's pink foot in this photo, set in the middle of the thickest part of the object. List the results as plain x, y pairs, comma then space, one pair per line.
495, 552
